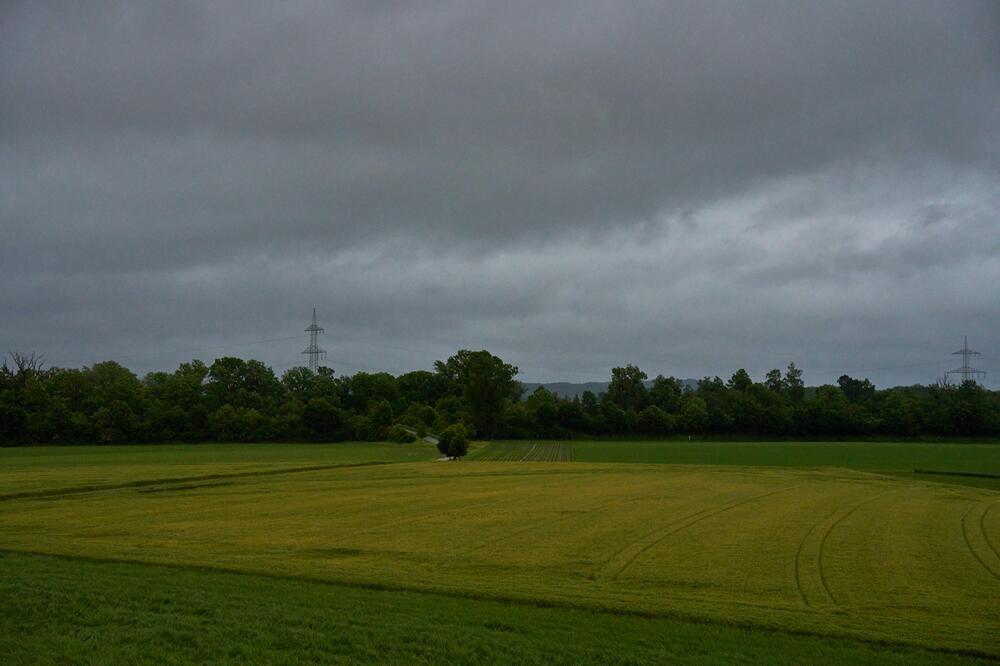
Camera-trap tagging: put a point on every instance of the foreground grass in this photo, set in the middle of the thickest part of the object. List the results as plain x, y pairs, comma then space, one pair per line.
830, 552
74, 611
49, 468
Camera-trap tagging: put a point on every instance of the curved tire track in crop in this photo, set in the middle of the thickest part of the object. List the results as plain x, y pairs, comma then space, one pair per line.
622, 560
548, 521
982, 527
986, 535
808, 543
826, 535
799, 557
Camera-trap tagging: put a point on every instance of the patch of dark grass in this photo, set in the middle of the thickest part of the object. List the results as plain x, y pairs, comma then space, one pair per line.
59, 610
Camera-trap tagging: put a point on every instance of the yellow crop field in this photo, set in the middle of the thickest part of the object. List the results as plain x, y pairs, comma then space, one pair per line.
832, 552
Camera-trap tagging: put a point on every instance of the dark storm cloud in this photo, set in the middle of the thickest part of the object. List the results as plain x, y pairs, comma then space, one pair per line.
690, 186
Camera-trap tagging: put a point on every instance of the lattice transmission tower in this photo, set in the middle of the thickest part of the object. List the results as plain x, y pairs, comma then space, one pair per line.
967, 371
313, 351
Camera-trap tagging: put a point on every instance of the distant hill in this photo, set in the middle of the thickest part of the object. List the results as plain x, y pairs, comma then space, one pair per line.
571, 390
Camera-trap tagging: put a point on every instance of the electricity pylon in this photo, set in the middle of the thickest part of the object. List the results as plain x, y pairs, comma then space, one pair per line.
968, 373
313, 350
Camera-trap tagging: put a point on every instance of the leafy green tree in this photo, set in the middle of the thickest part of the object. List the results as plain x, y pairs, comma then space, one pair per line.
116, 423
74, 386
746, 412
518, 422
112, 382
654, 421
381, 416
666, 393
369, 388
969, 411
363, 429
254, 426
694, 415
288, 422
243, 384
421, 387
164, 422
224, 425
322, 419
856, 390
485, 383
453, 442
740, 381
459, 446
444, 440
299, 383
793, 382
899, 415
418, 415
544, 409
13, 418
628, 388
775, 382
828, 411
571, 415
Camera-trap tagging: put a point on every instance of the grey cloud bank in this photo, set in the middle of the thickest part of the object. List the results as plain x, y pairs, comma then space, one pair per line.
693, 188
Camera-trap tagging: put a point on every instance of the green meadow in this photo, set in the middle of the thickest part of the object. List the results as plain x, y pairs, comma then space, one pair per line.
769, 552
78, 611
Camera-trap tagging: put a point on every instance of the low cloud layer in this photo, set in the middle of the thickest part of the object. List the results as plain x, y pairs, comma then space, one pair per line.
693, 188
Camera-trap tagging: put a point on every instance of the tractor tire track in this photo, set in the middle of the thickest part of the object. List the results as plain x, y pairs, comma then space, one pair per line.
144, 483
549, 520
674, 528
800, 552
826, 535
986, 535
798, 556
968, 543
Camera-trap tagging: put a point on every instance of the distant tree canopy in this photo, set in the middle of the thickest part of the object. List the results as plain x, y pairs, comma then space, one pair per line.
485, 384
472, 394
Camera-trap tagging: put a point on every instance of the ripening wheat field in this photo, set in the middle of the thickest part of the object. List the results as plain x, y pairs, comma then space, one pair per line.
823, 551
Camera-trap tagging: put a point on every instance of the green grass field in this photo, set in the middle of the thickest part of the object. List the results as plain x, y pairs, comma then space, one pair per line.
895, 458
790, 560
60, 611
524, 451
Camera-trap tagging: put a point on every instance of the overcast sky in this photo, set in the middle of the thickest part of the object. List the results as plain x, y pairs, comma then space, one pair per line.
690, 187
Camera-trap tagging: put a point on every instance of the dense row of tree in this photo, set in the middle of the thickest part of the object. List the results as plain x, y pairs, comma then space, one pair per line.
472, 394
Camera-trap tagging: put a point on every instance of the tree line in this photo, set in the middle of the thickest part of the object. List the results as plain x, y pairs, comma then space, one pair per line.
471, 394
